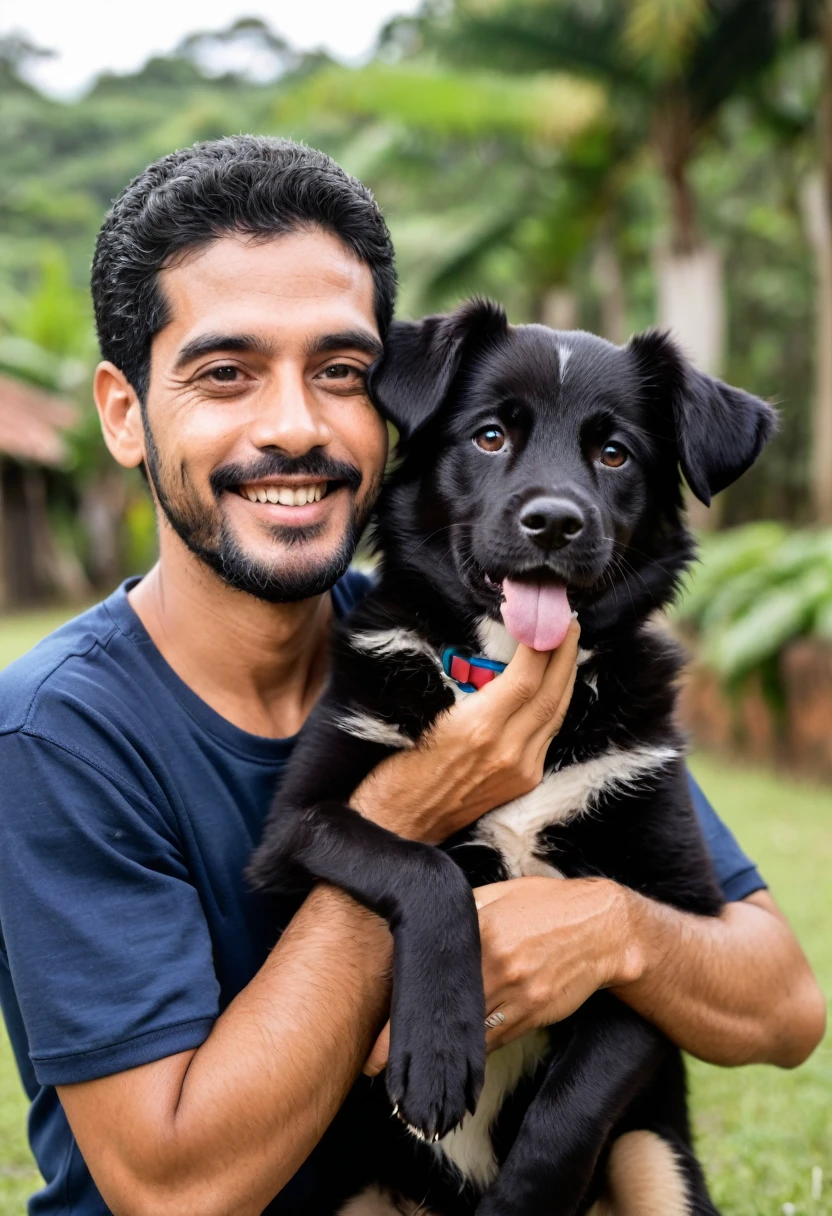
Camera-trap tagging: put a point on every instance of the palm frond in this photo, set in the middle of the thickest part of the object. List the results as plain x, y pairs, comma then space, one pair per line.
549, 107
664, 31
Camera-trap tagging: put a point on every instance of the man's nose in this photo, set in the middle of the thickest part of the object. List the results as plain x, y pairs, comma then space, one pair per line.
290, 418
551, 522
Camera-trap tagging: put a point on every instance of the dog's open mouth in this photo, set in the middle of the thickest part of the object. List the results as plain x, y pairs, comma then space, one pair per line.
536, 612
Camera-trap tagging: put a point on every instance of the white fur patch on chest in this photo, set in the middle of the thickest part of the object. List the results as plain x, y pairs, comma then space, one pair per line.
495, 640
513, 829
387, 643
364, 726
469, 1145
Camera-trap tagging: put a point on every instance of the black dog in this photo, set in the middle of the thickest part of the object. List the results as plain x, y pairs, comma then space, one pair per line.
540, 477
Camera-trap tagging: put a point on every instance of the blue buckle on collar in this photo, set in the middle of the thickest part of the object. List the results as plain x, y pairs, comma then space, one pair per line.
469, 672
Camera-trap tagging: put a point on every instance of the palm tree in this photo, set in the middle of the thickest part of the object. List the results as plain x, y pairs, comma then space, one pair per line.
463, 162
669, 66
814, 20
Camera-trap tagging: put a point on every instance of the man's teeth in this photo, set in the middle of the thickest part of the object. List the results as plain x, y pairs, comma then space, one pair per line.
287, 496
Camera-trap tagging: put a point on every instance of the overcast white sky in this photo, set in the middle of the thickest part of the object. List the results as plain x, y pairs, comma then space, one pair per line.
91, 35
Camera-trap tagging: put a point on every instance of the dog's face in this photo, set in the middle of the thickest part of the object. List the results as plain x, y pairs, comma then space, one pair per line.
541, 470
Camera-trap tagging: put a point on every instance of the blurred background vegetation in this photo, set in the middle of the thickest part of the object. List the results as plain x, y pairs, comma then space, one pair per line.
608, 164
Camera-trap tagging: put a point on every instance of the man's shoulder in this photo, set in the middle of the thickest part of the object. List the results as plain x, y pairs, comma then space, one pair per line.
61, 666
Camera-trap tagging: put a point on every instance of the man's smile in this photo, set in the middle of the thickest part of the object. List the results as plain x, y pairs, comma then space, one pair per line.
287, 500
284, 492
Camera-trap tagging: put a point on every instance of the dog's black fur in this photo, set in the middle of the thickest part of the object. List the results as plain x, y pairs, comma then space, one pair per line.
448, 533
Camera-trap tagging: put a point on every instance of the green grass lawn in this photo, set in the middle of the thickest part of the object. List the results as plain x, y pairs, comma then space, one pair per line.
761, 1131
20, 632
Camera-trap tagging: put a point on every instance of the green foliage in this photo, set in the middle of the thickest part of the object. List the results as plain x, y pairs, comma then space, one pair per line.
548, 108
507, 143
56, 316
757, 589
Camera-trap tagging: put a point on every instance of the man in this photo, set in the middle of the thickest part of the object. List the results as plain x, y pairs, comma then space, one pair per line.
175, 1064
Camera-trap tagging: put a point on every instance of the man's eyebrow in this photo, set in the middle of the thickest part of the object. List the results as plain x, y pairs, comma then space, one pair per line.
211, 344
348, 339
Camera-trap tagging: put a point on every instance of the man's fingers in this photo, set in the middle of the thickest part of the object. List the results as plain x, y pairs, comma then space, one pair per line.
552, 725
376, 1061
558, 680
519, 682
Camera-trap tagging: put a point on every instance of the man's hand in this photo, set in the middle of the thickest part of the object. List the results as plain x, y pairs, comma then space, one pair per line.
485, 751
732, 989
547, 945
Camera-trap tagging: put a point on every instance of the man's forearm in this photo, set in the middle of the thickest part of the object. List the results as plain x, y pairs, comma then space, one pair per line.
733, 989
241, 1113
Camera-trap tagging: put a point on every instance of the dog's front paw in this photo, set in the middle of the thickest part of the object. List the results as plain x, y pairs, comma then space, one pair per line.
436, 1066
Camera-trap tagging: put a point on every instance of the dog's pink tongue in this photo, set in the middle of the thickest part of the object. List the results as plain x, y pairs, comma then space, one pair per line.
536, 614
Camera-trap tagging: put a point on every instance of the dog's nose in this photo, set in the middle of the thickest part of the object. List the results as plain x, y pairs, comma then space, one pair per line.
552, 522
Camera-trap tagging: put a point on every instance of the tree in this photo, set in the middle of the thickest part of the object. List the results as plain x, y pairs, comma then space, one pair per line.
815, 21
669, 67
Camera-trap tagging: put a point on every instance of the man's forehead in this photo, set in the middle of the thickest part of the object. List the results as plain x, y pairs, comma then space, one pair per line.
285, 280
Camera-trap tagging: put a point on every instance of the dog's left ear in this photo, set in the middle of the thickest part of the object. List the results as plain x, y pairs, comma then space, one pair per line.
421, 358
720, 431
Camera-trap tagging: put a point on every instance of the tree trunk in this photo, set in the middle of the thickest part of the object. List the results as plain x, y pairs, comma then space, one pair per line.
818, 211
559, 308
691, 301
610, 280
103, 505
689, 273
55, 570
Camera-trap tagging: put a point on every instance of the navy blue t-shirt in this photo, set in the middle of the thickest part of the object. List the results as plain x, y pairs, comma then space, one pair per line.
128, 810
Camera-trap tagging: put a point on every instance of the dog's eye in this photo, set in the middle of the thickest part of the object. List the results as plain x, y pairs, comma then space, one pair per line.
490, 439
613, 455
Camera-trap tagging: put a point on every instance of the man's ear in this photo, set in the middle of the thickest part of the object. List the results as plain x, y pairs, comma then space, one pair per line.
120, 412
421, 358
720, 431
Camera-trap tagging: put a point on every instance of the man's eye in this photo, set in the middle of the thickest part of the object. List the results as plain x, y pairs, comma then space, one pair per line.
224, 375
340, 371
490, 439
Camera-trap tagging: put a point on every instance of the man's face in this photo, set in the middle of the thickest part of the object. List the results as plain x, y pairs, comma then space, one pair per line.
263, 448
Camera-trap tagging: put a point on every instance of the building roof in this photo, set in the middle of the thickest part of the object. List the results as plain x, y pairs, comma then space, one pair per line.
33, 423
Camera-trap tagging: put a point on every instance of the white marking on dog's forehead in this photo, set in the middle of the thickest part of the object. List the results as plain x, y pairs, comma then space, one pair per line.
564, 355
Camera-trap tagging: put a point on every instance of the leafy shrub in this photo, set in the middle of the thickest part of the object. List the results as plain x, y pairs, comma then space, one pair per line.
756, 589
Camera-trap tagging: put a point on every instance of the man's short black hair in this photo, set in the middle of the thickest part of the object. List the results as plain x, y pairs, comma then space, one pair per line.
250, 184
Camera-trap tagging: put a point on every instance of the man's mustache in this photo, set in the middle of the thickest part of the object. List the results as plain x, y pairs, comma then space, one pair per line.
315, 464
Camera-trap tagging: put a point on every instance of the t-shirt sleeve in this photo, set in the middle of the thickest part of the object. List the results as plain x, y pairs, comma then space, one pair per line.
107, 944
736, 874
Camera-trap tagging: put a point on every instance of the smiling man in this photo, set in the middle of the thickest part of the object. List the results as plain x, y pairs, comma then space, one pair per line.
177, 1059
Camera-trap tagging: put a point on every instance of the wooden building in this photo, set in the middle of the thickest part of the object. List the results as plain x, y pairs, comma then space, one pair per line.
33, 457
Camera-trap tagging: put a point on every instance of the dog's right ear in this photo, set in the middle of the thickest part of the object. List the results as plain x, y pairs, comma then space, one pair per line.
421, 358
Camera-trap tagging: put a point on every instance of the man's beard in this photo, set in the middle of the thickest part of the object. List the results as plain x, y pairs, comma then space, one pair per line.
210, 538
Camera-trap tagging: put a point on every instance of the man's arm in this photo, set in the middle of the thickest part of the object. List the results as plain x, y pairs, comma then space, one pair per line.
731, 989
734, 989
219, 1130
